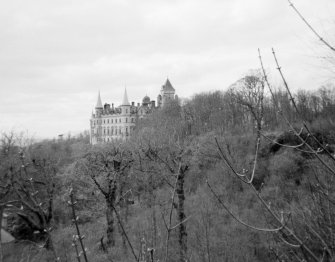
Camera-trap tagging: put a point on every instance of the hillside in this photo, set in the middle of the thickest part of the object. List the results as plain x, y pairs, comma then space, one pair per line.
185, 186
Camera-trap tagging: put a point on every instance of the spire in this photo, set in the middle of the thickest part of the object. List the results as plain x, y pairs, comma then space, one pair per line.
125, 101
99, 104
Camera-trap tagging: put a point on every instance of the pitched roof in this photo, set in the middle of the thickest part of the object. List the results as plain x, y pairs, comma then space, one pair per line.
167, 86
125, 101
99, 104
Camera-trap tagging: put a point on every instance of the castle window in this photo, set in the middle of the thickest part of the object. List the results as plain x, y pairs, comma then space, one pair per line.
126, 120
126, 111
107, 121
104, 120
120, 120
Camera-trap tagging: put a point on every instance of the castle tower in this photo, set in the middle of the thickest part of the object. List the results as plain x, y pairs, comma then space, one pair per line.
125, 106
98, 107
167, 93
96, 129
125, 116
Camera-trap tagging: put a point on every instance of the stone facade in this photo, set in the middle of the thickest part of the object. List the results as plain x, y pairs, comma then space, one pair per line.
109, 123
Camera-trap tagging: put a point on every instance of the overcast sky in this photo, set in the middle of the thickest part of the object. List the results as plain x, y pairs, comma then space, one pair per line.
56, 55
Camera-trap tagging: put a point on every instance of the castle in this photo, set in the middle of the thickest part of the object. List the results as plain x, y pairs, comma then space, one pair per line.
109, 123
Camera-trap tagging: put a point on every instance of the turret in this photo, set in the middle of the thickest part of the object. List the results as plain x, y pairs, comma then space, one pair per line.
96, 130
167, 93
98, 107
125, 106
146, 101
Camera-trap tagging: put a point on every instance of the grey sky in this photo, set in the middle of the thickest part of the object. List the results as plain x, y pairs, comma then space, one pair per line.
56, 55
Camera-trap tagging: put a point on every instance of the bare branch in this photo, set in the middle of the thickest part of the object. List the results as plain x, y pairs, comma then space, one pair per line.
239, 220
177, 225
310, 27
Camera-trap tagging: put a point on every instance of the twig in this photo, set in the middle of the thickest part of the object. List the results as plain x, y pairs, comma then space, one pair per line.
74, 244
72, 203
310, 27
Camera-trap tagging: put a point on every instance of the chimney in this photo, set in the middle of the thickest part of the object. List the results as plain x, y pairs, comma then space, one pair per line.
138, 104
112, 105
107, 106
133, 103
153, 104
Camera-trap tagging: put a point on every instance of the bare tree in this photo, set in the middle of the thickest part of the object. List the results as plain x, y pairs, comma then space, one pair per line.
109, 168
249, 92
172, 161
6, 148
33, 185
27, 186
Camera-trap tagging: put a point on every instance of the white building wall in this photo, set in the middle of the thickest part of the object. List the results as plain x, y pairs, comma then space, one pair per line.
112, 126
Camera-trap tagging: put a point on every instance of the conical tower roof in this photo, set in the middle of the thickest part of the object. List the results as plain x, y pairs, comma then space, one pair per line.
168, 86
99, 104
125, 101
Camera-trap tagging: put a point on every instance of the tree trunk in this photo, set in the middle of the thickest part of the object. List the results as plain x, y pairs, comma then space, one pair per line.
207, 228
110, 224
1, 214
154, 229
153, 215
48, 243
182, 234
110, 204
122, 215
